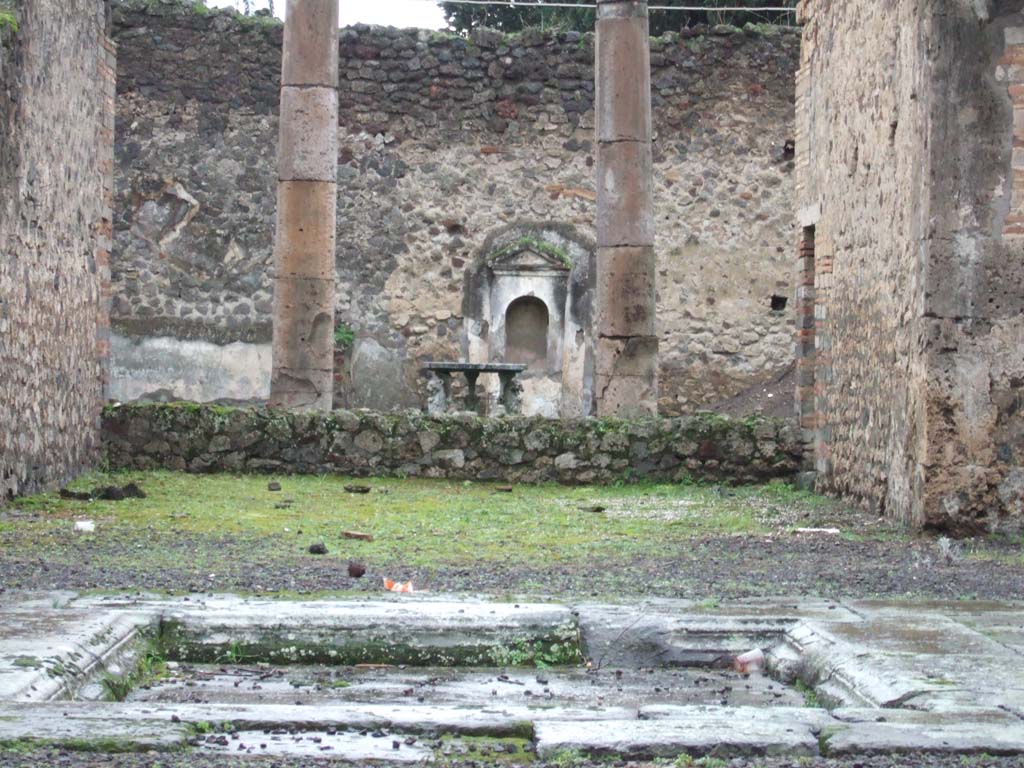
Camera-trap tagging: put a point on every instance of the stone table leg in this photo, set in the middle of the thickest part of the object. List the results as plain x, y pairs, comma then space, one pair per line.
439, 392
472, 401
510, 389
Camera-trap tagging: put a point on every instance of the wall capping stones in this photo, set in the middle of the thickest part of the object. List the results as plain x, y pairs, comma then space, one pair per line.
203, 438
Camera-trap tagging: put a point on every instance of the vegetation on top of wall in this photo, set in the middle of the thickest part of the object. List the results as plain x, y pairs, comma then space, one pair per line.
519, 16
197, 8
527, 35
8, 21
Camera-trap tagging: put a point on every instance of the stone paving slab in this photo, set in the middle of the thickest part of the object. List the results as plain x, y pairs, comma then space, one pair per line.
47, 651
497, 720
962, 738
559, 686
442, 631
74, 726
906, 659
354, 747
723, 734
688, 633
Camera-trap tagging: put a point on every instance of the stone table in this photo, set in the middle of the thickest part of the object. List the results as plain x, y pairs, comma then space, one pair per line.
441, 384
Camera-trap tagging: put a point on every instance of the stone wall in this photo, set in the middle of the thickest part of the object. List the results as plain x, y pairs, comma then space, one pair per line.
56, 177
209, 438
445, 143
912, 259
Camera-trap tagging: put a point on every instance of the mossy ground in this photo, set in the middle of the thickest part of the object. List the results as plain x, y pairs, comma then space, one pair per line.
229, 532
414, 522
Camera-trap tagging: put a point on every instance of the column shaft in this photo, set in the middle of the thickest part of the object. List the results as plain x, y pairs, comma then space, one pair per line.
626, 349
304, 241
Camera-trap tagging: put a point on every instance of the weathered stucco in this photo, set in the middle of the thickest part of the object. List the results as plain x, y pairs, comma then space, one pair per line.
443, 142
908, 157
56, 158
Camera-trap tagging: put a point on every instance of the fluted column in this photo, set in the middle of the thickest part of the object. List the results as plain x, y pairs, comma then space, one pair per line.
626, 349
307, 160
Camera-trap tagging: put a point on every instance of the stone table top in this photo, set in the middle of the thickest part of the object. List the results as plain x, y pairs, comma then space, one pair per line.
474, 367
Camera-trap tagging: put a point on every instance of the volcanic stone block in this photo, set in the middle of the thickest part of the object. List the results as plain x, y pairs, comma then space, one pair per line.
626, 350
308, 147
625, 291
625, 201
626, 381
303, 345
310, 44
305, 216
623, 80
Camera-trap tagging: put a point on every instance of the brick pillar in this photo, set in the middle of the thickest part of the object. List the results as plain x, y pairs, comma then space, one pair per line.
107, 71
307, 157
1010, 70
823, 254
626, 376
806, 409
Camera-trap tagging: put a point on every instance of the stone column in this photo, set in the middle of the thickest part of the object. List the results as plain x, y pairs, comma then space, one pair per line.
626, 354
307, 161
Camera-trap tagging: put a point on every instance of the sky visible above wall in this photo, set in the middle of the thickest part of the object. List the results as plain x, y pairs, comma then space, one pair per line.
424, 14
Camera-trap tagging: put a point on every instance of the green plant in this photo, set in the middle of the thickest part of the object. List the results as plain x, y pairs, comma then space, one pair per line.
567, 758
117, 688
7, 18
8, 21
809, 694
344, 336
235, 654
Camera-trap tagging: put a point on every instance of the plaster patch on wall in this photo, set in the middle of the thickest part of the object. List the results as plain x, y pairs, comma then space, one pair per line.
165, 368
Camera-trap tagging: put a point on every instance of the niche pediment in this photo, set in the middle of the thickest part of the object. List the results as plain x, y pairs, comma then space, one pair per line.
529, 257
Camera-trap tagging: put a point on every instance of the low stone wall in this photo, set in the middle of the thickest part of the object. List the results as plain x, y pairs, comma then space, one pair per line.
199, 438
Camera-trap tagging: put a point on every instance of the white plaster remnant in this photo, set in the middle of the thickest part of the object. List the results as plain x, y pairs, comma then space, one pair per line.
181, 369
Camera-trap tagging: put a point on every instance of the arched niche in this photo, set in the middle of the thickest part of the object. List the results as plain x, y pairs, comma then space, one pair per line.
527, 295
526, 332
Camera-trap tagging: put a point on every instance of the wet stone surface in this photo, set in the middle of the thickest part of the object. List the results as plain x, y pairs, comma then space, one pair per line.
544, 688
352, 745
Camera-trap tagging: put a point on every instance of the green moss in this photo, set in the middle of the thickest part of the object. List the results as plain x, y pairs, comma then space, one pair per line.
440, 37
560, 648
97, 745
219, 518
536, 244
488, 750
